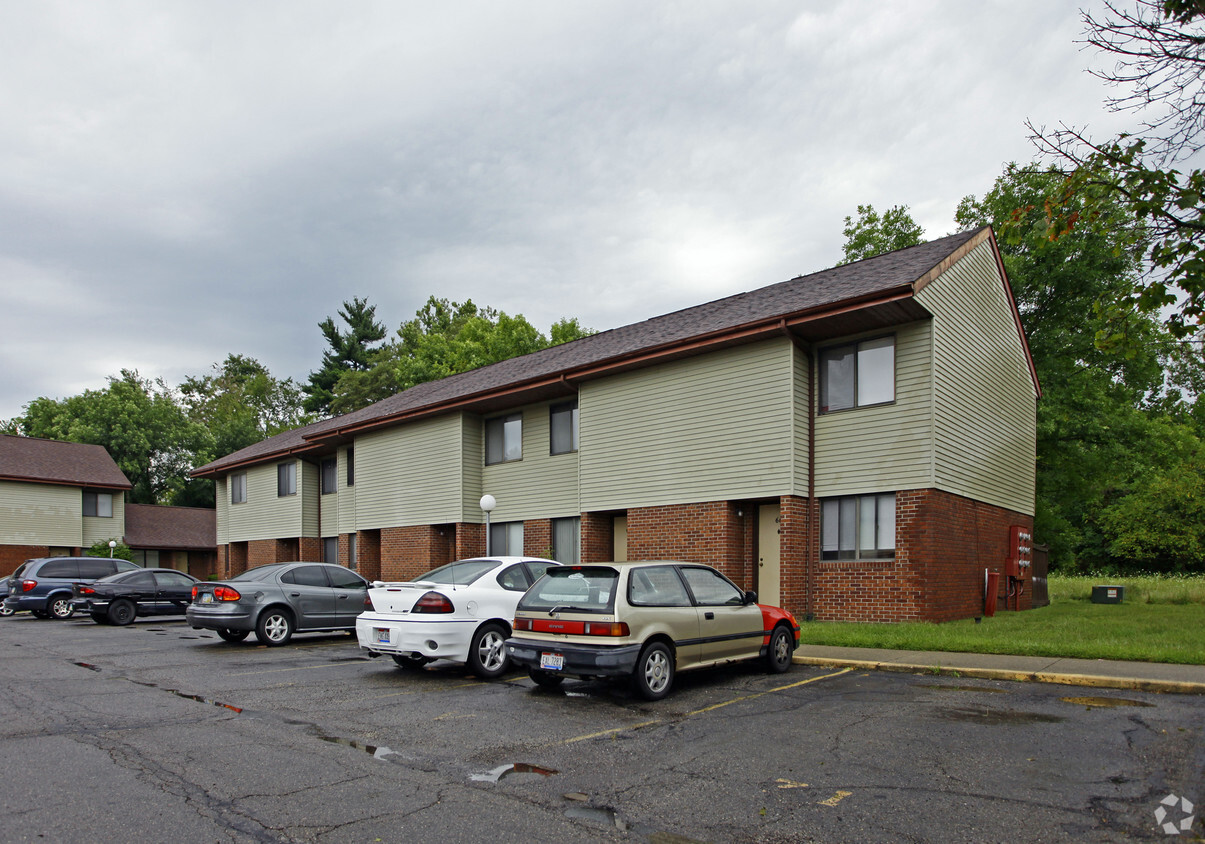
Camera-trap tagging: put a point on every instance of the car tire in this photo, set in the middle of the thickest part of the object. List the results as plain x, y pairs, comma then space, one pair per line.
39, 613
59, 607
412, 662
782, 648
654, 671
5, 611
487, 652
545, 679
274, 628
122, 612
99, 617
229, 635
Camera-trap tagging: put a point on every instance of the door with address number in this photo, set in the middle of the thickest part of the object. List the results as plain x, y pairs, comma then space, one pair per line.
769, 523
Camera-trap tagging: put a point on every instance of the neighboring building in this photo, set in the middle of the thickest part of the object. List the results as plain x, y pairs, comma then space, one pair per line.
853, 444
59, 498
182, 538
56, 499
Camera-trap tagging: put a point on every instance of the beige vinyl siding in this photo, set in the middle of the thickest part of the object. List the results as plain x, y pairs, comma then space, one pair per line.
309, 489
985, 401
98, 528
885, 447
803, 419
221, 491
472, 447
264, 515
714, 427
329, 511
41, 514
541, 485
346, 505
410, 475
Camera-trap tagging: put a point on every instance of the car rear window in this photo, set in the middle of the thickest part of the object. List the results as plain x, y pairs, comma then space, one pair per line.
257, 573
460, 573
573, 589
656, 586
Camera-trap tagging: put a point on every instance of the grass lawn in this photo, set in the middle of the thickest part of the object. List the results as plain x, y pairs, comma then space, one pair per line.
1161, 620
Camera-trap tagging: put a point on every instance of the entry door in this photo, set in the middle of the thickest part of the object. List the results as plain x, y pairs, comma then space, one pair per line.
619, 533
769, 577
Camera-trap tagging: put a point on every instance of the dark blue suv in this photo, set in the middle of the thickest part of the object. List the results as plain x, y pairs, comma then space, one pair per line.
43, 585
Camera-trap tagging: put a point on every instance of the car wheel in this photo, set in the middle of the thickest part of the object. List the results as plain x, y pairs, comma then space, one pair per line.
487, 652
654, 671
121, 612
233, 635
274, 628
5, 611
99, 617
413, 662
59, 607
545, 679
778, 657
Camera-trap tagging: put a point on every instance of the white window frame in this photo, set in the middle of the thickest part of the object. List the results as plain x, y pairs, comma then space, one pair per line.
286, 479
561, 416
100, 503
238, 488
504, 439
506, 539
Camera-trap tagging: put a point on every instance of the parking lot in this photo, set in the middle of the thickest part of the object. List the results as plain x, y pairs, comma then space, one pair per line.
159, 732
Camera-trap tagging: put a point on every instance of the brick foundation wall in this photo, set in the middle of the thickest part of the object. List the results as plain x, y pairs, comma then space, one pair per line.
409, 551
12, 556
470, 541
710, 533
597, 538
368, 553
537, 538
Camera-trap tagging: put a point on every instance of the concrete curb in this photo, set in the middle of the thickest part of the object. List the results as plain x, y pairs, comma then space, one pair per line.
1093, 681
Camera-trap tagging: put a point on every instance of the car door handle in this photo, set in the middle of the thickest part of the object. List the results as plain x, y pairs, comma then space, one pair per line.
294, 594
710, 616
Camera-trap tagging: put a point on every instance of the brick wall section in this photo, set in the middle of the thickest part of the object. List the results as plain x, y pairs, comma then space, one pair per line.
597, 538
469, 541
368, 552
12, 556
409, 551
310, 550
710, 533
537, 538
794, 540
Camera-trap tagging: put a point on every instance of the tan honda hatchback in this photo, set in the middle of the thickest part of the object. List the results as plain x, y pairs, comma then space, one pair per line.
644, 621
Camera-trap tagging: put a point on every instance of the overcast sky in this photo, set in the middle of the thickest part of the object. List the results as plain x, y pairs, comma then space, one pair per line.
179, 181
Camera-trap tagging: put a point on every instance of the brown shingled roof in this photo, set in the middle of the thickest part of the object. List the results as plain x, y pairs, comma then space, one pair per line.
56, 462
878, 290
171, 528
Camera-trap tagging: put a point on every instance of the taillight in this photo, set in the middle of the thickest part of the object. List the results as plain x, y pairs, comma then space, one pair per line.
368, 602
194, 593
521, 624
225, 593
606, 628
28, 585
87, 590
433, 602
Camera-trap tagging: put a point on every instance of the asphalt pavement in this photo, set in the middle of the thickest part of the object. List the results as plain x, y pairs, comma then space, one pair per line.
1097, 673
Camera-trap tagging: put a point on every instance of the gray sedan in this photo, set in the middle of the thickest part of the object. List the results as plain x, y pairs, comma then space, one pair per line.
279, 599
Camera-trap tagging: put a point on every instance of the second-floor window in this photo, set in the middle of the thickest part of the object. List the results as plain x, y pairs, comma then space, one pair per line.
351, 467
330, 475
238, 488
504, 438
98, 504
286, 479
857, 374
562, 420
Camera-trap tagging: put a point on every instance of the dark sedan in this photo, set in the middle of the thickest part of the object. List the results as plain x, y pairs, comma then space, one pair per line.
278, 599
120, 598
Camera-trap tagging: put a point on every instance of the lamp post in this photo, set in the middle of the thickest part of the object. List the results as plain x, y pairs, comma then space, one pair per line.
488, 503
112, 545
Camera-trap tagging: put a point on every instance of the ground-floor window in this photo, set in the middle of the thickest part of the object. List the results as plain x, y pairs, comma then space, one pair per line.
858, 527
566, 540
330, 549
351, 549
506, 539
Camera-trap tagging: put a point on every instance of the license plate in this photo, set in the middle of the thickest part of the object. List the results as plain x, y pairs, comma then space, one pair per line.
206, 598
381, 634
552, 662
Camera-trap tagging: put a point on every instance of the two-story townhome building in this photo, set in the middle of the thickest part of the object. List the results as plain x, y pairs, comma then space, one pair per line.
853, 444
56, 499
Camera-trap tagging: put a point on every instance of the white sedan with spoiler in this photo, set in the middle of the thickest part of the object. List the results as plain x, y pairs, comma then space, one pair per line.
461, 611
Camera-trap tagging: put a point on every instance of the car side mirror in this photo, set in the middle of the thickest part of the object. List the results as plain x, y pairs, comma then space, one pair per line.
750, 597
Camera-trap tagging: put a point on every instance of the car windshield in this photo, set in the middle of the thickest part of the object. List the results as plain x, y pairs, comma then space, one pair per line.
459, 573
573, 589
